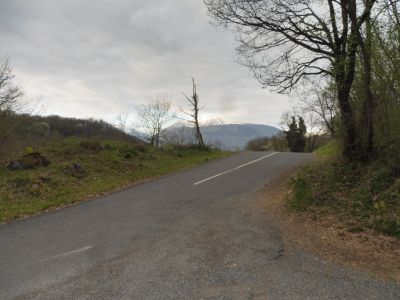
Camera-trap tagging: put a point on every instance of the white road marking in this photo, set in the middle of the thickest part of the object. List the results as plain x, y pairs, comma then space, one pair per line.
234, 169
72, 252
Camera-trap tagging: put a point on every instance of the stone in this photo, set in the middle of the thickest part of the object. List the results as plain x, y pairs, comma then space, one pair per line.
14, 165
75, 170
33, 160
28, 161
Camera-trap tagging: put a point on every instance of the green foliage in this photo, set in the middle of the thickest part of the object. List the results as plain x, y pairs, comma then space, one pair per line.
92, 145
274, 143
330, 149
361, 196
296, 135
81, 168
302, 192
384, 51
365, 194
28, 150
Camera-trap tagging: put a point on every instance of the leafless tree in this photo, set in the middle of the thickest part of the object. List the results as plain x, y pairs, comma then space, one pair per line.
10, 100
10, 94
178, 134
122, 118
153, 117
194, 113
321, 102
285, 41
314, 130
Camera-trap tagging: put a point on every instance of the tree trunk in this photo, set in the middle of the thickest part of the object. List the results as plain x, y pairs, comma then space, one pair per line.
367, 115
346, 114
196, 108
199, 136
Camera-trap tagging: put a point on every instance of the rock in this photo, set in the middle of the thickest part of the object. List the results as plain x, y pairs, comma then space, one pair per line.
28, 161
75, 170
77, 166
44, 179
33, 160
14, 165
35, 189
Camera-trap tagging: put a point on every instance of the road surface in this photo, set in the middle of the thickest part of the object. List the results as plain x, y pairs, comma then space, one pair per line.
189, 235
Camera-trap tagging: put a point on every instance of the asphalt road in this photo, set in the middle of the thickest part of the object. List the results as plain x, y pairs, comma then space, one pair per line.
190, 235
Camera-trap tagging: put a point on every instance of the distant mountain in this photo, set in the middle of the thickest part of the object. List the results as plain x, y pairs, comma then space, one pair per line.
236, 136
227, 136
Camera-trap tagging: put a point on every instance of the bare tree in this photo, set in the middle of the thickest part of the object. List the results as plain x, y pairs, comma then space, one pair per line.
322, 103
10, 100
153, 117
122, 118
194, 114
314, 130
285, 41
178, 134
10, 94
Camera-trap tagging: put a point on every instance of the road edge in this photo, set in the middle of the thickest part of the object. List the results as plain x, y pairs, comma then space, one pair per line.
369, 252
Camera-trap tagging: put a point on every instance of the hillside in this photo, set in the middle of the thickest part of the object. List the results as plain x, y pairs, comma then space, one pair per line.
225, 136
50, 162
20, 131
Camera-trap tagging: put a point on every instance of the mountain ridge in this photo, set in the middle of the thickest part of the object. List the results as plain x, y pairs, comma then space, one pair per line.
227, 136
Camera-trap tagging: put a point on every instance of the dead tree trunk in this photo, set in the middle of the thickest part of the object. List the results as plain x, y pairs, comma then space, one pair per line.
194, 114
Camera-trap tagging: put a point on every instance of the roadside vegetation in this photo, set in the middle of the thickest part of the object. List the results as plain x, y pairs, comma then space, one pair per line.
340, 60
79, 168
360, 196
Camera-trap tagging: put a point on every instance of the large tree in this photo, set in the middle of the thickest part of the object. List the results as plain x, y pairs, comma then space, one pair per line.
285, 41
296, 134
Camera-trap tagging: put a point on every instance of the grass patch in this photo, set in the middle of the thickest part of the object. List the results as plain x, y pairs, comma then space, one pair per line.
81, 168
360, 196
328, 150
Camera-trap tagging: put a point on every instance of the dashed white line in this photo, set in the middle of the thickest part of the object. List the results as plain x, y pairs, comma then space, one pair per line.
234, 169
72, 252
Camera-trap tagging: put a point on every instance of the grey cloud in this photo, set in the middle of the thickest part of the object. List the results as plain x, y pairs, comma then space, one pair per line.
97, 58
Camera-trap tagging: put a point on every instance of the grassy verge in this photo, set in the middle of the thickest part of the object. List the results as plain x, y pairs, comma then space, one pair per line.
100, 166
360, 196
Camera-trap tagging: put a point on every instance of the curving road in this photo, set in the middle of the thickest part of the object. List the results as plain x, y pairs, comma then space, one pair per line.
190, 235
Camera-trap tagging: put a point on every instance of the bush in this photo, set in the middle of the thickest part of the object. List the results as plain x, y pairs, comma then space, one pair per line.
274, 143
91, 145
302, 192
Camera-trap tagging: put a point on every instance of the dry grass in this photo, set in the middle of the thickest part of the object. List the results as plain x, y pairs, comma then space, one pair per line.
324, 235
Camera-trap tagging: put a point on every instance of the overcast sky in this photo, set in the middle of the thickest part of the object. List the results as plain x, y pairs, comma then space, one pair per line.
97, 58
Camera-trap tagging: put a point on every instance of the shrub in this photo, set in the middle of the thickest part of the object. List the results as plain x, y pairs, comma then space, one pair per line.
301, 196
92, 145
28, 150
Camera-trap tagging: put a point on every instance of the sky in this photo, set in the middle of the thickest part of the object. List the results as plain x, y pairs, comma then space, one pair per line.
98, 58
